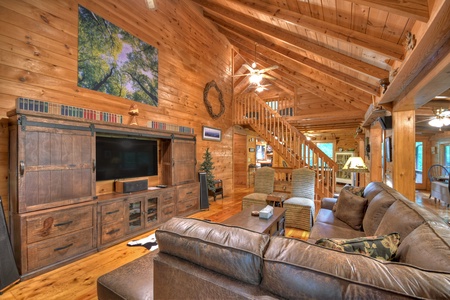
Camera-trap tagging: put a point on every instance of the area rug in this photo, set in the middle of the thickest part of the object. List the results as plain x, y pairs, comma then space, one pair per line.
147, 242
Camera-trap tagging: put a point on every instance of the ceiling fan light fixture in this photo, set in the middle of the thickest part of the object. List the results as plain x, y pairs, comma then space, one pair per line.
255, 78
259, 89
151, 4
437, 122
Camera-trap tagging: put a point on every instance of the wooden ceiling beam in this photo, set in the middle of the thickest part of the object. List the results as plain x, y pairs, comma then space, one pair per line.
336, 88
383, 47
305, 65
218, 13
339, 98
322, 91
415, 9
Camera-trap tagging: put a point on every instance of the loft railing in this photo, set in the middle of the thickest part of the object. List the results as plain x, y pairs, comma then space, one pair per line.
286, 140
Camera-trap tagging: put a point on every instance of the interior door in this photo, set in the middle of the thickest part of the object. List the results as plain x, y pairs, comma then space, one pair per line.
240, 160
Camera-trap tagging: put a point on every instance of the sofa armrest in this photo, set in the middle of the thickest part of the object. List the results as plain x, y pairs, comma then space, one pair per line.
328, 203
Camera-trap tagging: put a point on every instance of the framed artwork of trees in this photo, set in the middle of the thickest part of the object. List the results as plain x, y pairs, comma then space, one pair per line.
112, 61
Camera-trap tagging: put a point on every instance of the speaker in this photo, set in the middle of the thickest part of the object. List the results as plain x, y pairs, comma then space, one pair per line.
132, 185
8, 269
385, 122
204, 203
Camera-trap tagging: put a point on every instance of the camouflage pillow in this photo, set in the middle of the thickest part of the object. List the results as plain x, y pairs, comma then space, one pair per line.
379, 247
357, 190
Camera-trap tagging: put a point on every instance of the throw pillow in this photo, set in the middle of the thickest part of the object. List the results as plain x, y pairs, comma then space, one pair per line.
379, 247
357, 190
350, 209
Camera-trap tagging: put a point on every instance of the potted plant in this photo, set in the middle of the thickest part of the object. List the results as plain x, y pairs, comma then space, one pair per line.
207, 166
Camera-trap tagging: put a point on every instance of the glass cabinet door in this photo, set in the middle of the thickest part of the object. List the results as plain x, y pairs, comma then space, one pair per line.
152, 211
135, 212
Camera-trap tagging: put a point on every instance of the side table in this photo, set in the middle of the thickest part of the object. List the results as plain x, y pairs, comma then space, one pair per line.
276, 199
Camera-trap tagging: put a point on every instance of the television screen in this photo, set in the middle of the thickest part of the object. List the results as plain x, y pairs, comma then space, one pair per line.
119, 157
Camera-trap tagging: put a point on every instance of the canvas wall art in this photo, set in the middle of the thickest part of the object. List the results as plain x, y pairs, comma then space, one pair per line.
112, 61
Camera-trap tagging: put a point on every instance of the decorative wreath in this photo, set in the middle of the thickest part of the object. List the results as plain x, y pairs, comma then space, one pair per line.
208, 86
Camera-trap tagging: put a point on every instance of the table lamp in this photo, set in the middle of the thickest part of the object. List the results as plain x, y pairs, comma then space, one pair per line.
355, 164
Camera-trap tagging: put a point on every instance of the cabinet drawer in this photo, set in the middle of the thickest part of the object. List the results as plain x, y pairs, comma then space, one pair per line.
54, 250
188, 191
168, 212
167, 197
187, 206
111, 232
112, 212
53, 224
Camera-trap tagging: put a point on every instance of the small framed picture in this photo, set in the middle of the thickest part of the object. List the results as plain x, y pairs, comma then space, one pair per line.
212, 134
251, 149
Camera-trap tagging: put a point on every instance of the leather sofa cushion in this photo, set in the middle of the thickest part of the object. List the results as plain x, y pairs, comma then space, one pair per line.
403, 217
372, 189
376, 210
328, 216
322, 230
427, 247
313, 272
176, 278
133, 280
229, 250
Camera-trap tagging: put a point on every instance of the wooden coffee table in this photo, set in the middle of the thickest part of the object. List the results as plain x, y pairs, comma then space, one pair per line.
272, 226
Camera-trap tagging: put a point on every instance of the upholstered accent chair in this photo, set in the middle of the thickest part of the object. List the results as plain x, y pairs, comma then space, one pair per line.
264, 182
300, 206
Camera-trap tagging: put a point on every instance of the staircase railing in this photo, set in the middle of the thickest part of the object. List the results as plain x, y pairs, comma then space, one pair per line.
286, 140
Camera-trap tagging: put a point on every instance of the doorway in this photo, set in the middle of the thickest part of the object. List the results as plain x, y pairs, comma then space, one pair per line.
422, 163
239, 160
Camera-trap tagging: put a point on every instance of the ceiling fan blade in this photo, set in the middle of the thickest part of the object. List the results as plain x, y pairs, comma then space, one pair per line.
268, 69
248, 68
268, 76
240, 75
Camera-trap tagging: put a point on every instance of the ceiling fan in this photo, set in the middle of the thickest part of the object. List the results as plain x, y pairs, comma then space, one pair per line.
257, 75
441, 118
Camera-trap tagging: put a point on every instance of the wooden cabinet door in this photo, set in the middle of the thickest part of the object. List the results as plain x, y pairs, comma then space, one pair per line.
183, 161
54, 163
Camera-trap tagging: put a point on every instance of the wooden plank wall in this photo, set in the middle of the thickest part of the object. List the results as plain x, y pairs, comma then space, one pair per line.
38, 59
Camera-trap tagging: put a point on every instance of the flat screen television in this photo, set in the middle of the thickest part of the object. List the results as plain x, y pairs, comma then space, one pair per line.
120, 157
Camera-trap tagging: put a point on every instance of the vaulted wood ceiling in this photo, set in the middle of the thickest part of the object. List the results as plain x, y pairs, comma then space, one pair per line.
331, 54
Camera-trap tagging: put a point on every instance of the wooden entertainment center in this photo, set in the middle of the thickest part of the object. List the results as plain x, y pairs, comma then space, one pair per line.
59, 213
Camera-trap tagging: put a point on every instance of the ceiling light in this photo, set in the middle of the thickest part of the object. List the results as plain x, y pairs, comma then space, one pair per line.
255, 78
151, 4
437, 122
259, 89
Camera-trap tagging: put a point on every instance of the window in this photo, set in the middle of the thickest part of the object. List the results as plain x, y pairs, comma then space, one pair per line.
327, 148
419, 162
446, 155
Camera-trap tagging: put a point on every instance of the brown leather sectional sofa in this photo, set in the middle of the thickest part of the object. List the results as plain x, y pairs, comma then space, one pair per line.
202, 260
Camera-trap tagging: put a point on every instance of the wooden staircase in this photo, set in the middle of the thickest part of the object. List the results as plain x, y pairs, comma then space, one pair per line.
286, 140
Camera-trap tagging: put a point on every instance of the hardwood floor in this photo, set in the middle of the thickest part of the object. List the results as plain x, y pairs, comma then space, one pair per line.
78, 279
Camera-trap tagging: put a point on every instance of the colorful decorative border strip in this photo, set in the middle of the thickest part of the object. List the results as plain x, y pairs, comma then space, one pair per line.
66, 110
170, 127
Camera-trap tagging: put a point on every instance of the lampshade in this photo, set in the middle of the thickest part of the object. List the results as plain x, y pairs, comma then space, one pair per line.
355, 164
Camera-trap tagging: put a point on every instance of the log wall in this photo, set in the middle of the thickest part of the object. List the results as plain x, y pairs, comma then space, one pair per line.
38, 51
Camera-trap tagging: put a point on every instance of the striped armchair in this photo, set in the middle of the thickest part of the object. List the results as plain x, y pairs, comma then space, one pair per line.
264, 181
300, 206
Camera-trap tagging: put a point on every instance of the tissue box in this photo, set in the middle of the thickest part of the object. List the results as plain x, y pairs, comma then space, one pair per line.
266, 212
